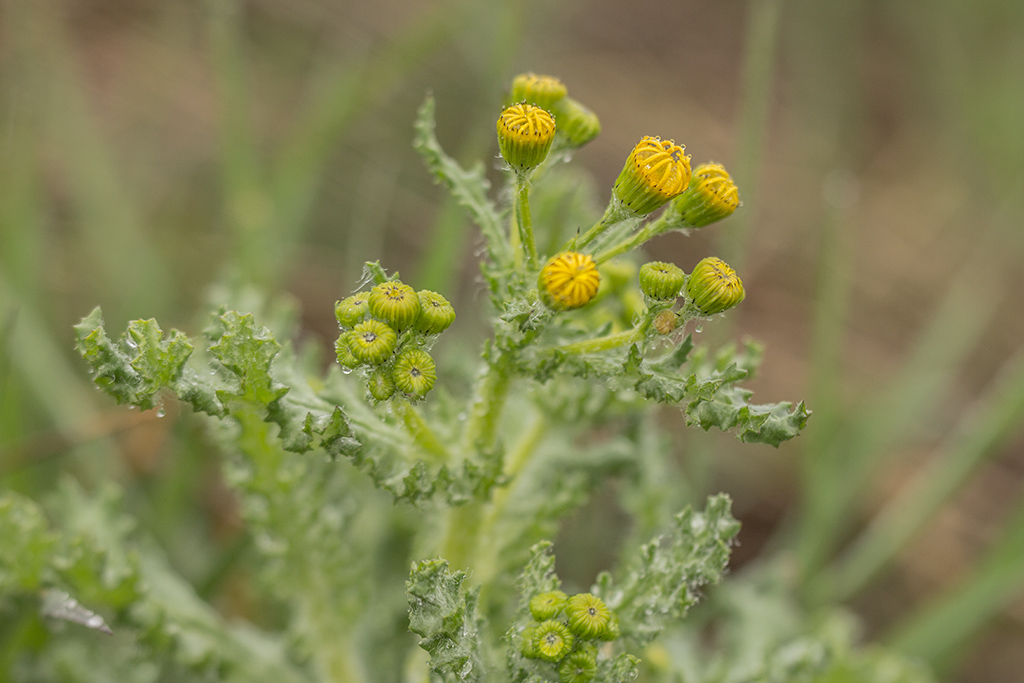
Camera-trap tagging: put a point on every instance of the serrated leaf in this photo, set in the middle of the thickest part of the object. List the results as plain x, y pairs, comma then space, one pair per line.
247, 351
663, 582
443, 613
468, 187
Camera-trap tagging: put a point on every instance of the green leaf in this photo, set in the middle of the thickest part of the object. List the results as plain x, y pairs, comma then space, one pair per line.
663, 582
443, 613
468, 188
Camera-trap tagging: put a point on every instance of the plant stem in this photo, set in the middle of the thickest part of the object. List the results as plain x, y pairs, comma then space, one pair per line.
421, 432
636, 239
524, 221
610, 341
611, 215
486, 406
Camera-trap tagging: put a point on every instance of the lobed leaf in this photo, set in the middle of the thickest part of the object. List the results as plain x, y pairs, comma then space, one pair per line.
443, 613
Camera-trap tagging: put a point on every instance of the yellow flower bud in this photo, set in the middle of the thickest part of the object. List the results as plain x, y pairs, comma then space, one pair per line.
395, 303
714, 287
711, 196
541, 91
656, 171
525, 133
569, 280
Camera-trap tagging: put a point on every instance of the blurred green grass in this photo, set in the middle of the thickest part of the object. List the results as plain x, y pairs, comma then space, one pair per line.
150, 150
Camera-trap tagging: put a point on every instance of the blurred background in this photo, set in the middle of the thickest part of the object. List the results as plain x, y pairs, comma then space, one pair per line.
147, 149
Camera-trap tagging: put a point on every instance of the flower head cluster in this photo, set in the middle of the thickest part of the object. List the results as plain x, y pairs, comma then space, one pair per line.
564, 631
383, 332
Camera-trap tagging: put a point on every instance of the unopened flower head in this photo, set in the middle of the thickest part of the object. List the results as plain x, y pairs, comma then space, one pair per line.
395, 303
577, 125
351, 310
525, 133
547, 605
569, 280
372, 341
661, 281
380, 384
666, 322
552, 640
711, 196
542, 91
436, 313
656, 171
344, 353
414, 372
588, 615
714, 287
578, 667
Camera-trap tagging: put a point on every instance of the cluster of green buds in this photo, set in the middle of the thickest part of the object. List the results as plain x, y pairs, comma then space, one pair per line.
712, 287
384, 332
565, 631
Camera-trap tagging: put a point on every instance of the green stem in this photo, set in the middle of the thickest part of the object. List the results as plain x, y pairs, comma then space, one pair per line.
612, 215
610, 341
635, 240
421, 432
486, 407
524, 220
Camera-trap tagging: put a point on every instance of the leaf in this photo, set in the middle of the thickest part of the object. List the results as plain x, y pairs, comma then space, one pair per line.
468, 187
444, 614
663, 582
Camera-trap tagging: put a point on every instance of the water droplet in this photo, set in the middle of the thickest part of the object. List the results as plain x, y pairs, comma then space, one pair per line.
160, 412
95, 621
346, 371
698, 329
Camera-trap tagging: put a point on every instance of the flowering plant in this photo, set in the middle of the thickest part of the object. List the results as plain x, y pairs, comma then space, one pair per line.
392, 458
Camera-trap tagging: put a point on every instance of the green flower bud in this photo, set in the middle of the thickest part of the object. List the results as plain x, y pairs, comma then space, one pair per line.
611, 631
371, 341
541, 91
525, 133
661, 281
395, 303
380, 384
547, 605
527, 644
714, 287
351, 310
414, 372
436, 314
588, 615
656, 171
344, 353
577, 125
552, 640
579, 667
666, 322
711, 196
